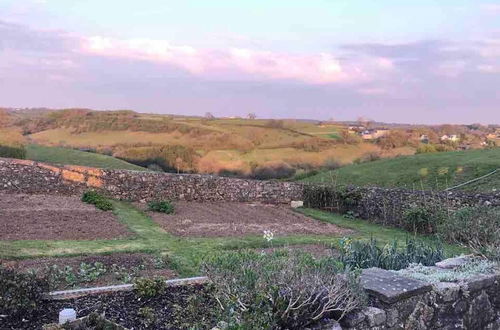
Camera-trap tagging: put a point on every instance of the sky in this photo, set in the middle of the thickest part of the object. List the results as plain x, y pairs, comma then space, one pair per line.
412, 61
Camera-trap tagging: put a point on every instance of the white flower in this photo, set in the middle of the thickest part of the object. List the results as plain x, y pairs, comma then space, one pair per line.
268, 235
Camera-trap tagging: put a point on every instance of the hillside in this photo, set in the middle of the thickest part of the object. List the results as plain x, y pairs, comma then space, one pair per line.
66, 156
428, 171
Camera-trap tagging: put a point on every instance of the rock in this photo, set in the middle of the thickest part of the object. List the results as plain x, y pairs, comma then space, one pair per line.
447, 291
296, 204
453, 262
391, 287
375, 316
352, 319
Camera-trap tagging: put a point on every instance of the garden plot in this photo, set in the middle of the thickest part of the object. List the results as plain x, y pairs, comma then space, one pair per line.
43, 217
193, 219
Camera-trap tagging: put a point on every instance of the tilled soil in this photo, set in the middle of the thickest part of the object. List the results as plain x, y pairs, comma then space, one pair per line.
193, 219
149, 267
43, 217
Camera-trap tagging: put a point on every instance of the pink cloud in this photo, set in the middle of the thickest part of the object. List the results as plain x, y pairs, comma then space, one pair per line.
319, 68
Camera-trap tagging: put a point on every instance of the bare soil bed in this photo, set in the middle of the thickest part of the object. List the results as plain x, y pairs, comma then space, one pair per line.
43, 217
192, 219
136, 264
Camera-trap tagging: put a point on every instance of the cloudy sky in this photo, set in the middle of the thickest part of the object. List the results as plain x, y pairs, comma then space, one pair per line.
418, 61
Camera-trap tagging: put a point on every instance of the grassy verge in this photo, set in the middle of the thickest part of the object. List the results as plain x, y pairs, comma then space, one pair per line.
185, 254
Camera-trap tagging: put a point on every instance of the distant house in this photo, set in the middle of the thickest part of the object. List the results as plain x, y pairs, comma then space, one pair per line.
451, 138
493, 136
424, 138
373, 134
356, 129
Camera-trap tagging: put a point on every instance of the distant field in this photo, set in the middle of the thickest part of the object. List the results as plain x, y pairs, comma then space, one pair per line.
428, 171
65, 156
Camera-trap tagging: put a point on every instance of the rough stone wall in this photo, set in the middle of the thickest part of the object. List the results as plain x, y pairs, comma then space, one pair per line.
387, 206
39, 178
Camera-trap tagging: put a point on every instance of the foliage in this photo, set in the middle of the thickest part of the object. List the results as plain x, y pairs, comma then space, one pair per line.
331, 164
423, 219
68, 276
149, 288
475, 227
13, 151
360, 254
161, 206
463, 272
95, 198
280, 290
338, 198
20, 293
276, 170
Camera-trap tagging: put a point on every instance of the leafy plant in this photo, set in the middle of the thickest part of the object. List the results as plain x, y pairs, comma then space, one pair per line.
474, 227
149, 288
281, 290
422, 219
98, 200
161, 206
20, 293
360, 254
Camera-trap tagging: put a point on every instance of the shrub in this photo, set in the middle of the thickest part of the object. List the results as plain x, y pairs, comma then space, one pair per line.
359, 254
281, 290
161, 206
269, 171
12, 152
149, 288
474, 227
422, 219
426, 148
331, 164
339, 198
98, 200
20, 293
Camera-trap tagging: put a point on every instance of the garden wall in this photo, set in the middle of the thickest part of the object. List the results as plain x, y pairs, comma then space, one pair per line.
23, 176
387, 206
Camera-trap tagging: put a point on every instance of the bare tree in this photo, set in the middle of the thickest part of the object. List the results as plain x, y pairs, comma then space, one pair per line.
209, 116
252, 115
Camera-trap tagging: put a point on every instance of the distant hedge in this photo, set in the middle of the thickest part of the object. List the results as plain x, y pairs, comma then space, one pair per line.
12, 152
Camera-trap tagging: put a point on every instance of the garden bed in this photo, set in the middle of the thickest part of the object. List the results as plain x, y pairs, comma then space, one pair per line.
172, 310
192, 219
42, 217
116, 268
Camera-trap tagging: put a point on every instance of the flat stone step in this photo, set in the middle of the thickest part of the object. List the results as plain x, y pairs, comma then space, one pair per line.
391, 287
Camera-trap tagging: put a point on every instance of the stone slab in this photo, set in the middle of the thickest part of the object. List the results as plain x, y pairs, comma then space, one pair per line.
451, 263
391, 287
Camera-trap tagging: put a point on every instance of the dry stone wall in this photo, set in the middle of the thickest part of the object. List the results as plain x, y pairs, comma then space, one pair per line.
39, 178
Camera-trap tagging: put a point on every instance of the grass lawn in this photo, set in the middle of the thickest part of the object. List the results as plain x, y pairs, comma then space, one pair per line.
59, 155
185, 254
429, 171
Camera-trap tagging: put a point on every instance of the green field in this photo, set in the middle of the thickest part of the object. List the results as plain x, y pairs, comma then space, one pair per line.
66, 156
436, 171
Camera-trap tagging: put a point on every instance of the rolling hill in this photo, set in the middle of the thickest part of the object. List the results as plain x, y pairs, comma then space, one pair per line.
423, 171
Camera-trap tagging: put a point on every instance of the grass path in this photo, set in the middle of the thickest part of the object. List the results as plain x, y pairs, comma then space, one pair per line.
185, 254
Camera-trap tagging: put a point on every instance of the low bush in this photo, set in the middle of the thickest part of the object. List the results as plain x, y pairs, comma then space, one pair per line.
12, 152
20, 293
423, 219
161, 206
474, 227
269, 171
98, 200
281, 290
360, 254
149, 288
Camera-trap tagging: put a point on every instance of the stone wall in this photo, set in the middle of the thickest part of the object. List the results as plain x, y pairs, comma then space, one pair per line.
387, 206
398, 302
39, 178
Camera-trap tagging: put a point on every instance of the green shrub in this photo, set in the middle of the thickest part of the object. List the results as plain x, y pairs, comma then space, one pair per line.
281, 290
20, 294
12, 151
161, 206
149, 288
360, 254
474, 227
98, 200
422, 219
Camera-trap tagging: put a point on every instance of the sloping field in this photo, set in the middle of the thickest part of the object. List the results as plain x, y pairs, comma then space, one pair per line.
427, 171
67, 156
